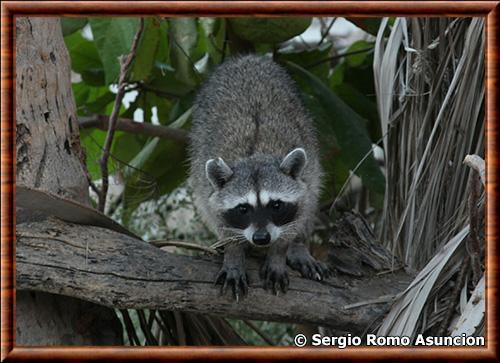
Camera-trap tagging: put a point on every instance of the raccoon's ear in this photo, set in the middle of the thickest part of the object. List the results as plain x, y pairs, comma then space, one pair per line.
218, 172
294, 162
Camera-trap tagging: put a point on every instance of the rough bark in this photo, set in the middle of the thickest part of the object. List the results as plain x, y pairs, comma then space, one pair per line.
112, 269
62, 320
47, 137
49, 158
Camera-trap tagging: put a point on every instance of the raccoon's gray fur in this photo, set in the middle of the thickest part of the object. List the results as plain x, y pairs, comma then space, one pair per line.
254, 165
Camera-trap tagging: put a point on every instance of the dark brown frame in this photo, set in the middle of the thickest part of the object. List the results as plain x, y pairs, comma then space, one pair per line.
11, 9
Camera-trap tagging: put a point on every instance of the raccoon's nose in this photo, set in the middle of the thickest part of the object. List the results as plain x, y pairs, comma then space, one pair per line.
261, 238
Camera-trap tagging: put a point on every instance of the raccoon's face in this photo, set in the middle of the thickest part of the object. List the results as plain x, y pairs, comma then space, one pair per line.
258, 199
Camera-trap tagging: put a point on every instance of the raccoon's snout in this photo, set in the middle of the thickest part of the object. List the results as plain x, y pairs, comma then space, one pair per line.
261, 237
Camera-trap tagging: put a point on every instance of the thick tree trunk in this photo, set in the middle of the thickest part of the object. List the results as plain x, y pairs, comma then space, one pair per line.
49, 158
47, 139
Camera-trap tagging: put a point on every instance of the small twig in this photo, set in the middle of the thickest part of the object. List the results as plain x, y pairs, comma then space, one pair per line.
91, 183
191, 246
259, 332
389, 271
379, 300
353, 171
338, 56
129, 327
165, 324
324, 33
150, 339
124, 68
134, 127
144, 87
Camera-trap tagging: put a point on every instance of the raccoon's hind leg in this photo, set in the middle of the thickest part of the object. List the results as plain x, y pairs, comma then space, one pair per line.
299, 258
273, 271
233, 273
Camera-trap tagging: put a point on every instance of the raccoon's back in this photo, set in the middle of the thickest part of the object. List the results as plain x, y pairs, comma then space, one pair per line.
249, 105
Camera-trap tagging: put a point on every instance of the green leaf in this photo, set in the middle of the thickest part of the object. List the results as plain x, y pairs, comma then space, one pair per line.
92, 141
85, 59
125, 147
173, 171
214, 29
308, 58
358, 59
365, 107
155, 32
166, 84
337, 76
71, 25
369, 25
92, 100
268, 30
163, 107
113, 38
340, 120
183, 41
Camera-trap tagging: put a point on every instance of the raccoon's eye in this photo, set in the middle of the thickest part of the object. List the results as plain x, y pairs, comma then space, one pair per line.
276, 204
243, 208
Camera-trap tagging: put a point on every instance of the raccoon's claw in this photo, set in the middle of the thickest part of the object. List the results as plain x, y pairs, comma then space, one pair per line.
301, 260
275, 278
234, 278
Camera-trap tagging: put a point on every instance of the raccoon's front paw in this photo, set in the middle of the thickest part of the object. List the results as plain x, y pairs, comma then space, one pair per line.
275, 276
299, 259
235, 278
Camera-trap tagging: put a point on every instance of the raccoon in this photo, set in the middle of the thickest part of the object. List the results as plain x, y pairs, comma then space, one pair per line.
255, 171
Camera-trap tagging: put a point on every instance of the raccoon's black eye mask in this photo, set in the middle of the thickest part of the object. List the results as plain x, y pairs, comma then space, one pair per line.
276, 211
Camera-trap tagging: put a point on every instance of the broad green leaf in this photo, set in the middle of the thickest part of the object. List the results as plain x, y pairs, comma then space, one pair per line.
71, 25
183, 39
364, 106
309, 59
369, 25
214, 30
125, 147
92, 100
171, 156
355, 60
361, 77
163, 107
85, 59
348, 128
337, 76
269, 30
113, 38
155, 32
165, 83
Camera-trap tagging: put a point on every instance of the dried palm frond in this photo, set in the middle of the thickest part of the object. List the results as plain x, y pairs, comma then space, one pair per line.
403, 318
152, 327
429, 77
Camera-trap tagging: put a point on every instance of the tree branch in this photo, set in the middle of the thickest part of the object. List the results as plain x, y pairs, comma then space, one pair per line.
122, 83
116, 270
338, 56
131, 126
